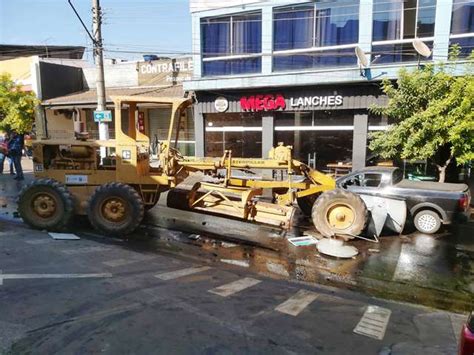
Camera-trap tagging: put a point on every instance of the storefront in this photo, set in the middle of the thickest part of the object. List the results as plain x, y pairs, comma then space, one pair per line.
325, 125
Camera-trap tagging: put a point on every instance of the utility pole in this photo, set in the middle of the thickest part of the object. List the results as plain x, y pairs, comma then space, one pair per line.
99, 62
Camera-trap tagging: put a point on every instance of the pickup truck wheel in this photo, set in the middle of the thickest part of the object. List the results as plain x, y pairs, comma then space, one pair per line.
339, 212
115, 209
427, 221
46, 204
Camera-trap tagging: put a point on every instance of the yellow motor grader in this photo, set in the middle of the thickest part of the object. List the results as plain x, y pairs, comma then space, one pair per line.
115, 191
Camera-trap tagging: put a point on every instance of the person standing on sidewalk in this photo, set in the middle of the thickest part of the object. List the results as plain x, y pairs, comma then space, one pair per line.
3, 151
15, 151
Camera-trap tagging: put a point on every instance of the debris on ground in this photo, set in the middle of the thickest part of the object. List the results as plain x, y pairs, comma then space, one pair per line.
64, 236
336, 248
194, 236
303, 241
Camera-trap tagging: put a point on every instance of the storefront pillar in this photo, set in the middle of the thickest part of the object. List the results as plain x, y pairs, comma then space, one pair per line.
297, 137
359, 145
267, 134
198, 131
268, 125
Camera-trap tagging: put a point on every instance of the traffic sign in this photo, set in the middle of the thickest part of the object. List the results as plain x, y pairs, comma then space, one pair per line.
103, 116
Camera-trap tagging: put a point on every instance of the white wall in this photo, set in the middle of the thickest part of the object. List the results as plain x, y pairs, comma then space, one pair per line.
116, 75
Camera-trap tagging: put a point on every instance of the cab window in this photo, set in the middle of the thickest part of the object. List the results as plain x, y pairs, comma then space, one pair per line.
354, 180
372, 180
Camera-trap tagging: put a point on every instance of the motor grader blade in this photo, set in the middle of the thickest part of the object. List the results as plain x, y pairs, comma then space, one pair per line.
238, 203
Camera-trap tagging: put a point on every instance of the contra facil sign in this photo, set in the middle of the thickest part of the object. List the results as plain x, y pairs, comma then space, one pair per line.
165, 71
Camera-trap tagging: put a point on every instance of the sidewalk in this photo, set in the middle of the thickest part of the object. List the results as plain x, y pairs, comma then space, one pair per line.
436, 271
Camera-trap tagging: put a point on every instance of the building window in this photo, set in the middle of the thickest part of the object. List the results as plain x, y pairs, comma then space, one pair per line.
462, 26
397, 52
232, 44
403, 19
396, 23
323, 135
239, 132
311, 36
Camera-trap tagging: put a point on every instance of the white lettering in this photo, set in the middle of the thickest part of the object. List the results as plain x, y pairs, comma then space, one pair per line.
331, 100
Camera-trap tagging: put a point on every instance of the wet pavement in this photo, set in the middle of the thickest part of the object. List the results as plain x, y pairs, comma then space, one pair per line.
436, 271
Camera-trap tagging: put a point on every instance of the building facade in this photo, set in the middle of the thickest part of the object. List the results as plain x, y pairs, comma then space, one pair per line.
286, 71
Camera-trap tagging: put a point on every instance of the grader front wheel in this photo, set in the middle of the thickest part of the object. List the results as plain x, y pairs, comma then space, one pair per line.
339, 212
46, 204
115, 209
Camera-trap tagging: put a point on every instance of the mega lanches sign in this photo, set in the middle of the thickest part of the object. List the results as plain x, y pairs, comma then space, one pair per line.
275, 102
165, 71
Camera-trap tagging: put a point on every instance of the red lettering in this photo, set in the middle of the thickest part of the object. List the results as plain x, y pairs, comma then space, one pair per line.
259, 103
262, 103
247, 104
280, 102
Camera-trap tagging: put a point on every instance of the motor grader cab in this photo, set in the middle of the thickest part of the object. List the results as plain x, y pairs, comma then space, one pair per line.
115, 191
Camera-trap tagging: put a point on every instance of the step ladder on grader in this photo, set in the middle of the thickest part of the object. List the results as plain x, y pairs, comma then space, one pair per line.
115, 191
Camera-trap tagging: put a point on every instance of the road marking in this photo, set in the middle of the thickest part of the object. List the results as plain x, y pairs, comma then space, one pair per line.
234, 287
51, 276
374, 322
297, 303
84, 250
37, 241
180, 273
131, 260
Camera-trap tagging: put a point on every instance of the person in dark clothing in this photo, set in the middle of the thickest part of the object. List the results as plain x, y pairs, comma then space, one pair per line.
15, 151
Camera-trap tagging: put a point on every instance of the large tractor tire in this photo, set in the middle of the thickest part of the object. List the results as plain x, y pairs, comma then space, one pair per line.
339, 212
46, 204
115, 209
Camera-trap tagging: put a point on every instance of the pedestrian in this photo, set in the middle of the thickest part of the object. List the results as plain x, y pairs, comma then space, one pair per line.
10, 160
15, 151
3, 151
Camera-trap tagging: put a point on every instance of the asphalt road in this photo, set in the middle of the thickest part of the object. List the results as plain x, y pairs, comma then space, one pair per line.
99, 295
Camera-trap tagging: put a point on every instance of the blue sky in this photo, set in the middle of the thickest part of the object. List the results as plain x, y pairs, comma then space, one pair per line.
148, 26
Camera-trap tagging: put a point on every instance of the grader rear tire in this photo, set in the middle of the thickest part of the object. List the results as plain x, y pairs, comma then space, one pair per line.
339, 212
115, 209
46, 204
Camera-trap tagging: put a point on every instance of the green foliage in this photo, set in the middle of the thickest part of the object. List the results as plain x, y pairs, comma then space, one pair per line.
433, 113
16, 106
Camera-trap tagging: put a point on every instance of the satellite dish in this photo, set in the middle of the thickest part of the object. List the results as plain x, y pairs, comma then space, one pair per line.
421, 48
361, 56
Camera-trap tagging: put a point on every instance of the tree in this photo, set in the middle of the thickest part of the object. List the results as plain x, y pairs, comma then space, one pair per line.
433, 113
17, 107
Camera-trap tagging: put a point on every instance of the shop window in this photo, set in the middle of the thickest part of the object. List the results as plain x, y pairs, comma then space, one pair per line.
314, 27
325, 136
239, 132
403, 19
232, 44
397, 52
